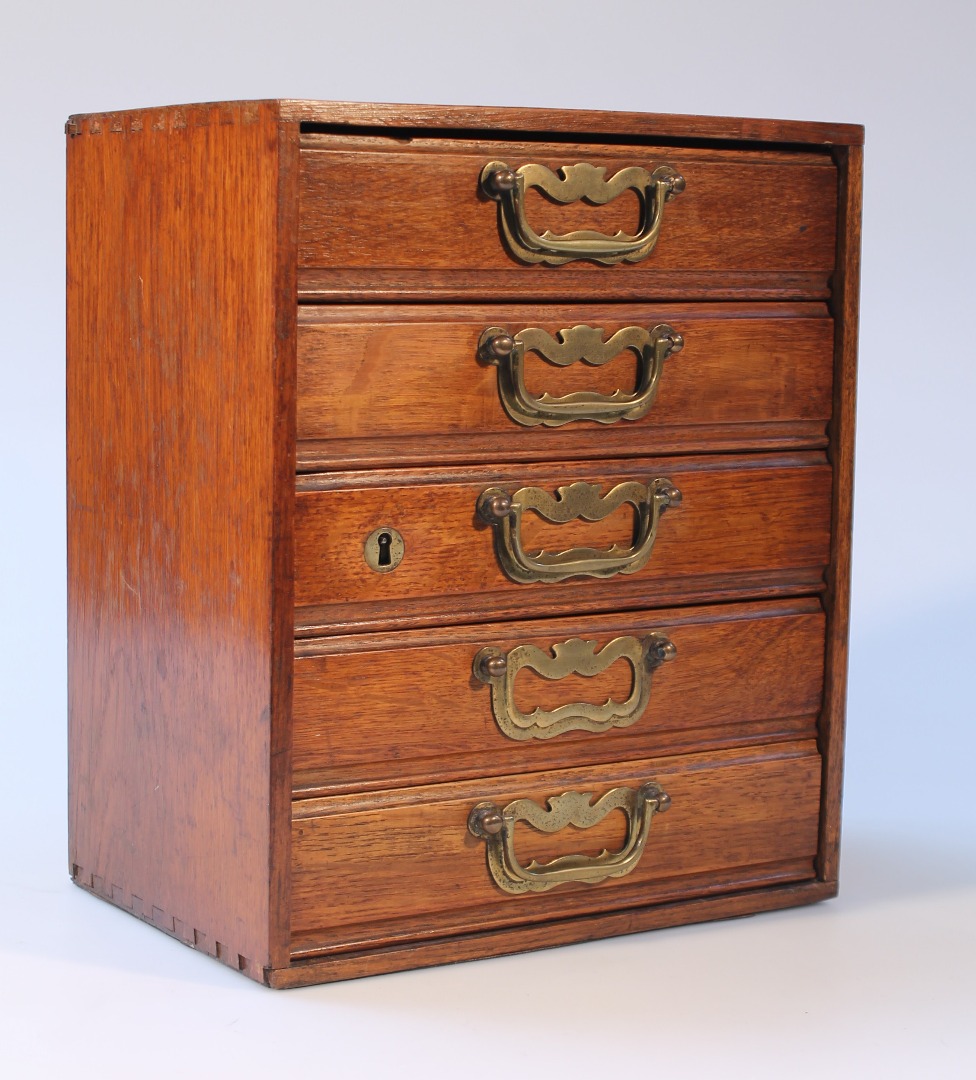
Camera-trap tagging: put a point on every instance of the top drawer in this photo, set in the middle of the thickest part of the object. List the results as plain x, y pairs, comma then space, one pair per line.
420, 217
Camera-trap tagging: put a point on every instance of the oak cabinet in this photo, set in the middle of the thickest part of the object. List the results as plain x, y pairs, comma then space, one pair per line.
459, 508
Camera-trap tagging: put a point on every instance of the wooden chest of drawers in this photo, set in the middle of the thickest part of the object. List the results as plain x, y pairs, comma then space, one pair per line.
452, 492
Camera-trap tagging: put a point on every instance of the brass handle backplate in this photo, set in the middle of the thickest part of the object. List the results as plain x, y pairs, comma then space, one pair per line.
582, 181
497, 827
574, 657
580, 500
578, 343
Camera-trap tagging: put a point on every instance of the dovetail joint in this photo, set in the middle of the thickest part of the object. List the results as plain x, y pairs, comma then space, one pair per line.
169, 924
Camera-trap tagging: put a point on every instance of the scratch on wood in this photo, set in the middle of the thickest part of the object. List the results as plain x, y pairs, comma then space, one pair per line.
132, 589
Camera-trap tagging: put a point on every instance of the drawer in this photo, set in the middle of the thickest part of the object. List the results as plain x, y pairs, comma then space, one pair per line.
378, 710
411, 218
406, 384
754, 524
368, 869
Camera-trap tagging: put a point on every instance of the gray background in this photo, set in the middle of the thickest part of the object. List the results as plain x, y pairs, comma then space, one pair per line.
878, 982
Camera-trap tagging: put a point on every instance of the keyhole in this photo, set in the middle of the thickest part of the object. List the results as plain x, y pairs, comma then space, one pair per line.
383, 549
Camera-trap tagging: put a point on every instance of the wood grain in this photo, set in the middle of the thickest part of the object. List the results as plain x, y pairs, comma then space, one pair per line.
420, 284
405, 856
442, 611
572, 122
392, 933
749, 898
382, 383
764, 896
407, 118
435, 143
178, 593
833, 720
739, 515
398, 209
327, 455
378, 710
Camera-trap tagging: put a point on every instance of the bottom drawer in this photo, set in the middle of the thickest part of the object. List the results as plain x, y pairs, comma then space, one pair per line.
370, 870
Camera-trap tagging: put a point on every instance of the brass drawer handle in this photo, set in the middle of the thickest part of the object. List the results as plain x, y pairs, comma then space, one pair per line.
585, 343
576, 656
497, 828
583, 181
580, 500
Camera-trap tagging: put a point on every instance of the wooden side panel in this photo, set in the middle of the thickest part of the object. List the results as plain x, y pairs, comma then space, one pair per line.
739, 517
180, 347
403, 864
411, 216
378, 710
283, 542
384, 385
847, 288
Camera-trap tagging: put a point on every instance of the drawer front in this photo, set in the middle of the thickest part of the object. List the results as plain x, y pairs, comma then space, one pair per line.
405, 864
404, 384
415, 219
744, 524
423, 707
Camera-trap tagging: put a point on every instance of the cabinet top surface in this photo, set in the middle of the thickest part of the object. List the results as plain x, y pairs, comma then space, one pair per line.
464, 118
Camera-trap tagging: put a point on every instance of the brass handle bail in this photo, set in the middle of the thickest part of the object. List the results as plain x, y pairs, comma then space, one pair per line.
580, 500
577, 344
587, 182
574, 657
497, 828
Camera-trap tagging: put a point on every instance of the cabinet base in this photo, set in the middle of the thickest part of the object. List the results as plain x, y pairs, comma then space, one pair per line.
528, 938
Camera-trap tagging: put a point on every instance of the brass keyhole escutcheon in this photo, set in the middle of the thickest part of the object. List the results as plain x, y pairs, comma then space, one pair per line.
383, 550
